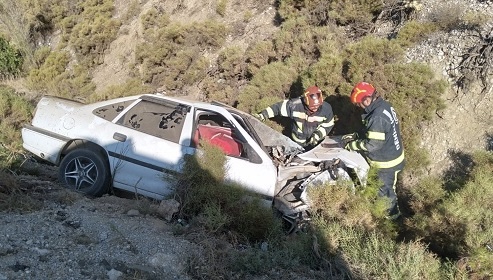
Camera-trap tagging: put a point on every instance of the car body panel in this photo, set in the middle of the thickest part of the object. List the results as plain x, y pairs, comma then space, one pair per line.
43, 143
331, 149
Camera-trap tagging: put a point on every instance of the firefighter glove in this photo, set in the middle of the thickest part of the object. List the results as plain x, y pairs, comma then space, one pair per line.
351, 146
315, 138
348, 138
259, 117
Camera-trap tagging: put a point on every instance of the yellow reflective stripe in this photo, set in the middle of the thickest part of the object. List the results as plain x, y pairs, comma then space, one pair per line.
315, 119
300, 115
284, 108
362, 145
270, 112
387, 164
296, 139
376, 135
329, 124
322, 130
300, 126
395, 179
357, 145
354, 145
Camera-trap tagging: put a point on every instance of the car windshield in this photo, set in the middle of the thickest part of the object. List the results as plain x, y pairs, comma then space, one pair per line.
267, 136
271, 137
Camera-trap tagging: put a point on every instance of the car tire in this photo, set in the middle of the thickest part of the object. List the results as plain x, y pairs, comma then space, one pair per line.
85, 171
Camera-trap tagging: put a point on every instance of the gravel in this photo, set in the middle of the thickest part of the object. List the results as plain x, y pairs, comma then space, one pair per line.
100, 238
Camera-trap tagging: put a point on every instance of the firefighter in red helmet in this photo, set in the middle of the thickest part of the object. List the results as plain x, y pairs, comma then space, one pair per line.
380, 141
312, 117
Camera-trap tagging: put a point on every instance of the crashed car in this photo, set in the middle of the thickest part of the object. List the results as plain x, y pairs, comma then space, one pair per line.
128, 143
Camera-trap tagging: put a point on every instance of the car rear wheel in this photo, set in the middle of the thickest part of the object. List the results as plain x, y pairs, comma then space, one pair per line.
85, 171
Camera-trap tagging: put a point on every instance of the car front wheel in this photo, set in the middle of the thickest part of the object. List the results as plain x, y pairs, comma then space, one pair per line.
85, 171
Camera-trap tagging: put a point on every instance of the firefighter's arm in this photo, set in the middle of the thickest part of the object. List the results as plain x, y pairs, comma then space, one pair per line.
324, 127
373, 139
277, 109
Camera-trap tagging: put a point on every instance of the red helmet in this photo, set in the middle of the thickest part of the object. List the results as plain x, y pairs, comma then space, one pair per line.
361, 91
313, 98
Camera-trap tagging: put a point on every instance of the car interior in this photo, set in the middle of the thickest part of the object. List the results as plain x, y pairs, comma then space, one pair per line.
216, 130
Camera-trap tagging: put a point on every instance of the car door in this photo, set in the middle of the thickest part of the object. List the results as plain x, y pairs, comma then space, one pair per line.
247, 164
146, 151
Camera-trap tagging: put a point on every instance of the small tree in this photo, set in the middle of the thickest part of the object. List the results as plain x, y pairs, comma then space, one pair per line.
10, 60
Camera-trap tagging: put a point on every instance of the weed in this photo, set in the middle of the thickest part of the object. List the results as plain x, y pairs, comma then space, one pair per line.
221, 7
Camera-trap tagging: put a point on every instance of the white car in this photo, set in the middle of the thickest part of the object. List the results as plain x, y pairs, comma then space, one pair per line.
129, 142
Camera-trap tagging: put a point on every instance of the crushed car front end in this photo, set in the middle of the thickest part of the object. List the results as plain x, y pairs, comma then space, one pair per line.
298, 170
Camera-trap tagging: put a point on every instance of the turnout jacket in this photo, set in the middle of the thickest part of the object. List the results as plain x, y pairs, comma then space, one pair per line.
304, 126
381, 139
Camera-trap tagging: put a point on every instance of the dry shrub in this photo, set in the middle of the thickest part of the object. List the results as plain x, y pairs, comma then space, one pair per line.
219, 206
13, 197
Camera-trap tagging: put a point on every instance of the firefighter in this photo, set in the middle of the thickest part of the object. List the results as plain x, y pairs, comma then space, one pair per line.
380, 141
312, 118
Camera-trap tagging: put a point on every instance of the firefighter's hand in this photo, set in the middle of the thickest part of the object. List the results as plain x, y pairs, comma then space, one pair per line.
348, 138
260, 117
351, 146
351, 136
315, 138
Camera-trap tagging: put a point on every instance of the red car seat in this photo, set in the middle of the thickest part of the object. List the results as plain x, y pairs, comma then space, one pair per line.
219, 137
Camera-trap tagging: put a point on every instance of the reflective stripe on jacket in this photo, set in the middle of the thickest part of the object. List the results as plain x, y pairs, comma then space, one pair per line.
382, 136
303, 125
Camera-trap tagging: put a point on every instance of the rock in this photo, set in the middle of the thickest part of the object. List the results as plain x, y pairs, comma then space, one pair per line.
133, 213
167, 208
114, 274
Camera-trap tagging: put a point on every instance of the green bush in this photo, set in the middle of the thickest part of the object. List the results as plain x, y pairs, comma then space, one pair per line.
90, 32
55, 78
172, 55
363, 254
458, 224
359, 14
258, 55
14, 112
231, 64
269, 85
366, 59
10, 60
414, 32
130, 87
297, 39
416, 96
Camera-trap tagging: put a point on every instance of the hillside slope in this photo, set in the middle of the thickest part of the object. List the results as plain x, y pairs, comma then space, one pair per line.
464, 126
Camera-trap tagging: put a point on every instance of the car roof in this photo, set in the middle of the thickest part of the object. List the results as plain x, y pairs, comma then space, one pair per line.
180, 99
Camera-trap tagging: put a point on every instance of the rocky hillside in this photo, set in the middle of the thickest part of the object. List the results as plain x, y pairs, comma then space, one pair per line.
465, 125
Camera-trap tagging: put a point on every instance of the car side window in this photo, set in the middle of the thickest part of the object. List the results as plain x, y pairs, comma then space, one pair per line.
218, 131
163, 120
109, 112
